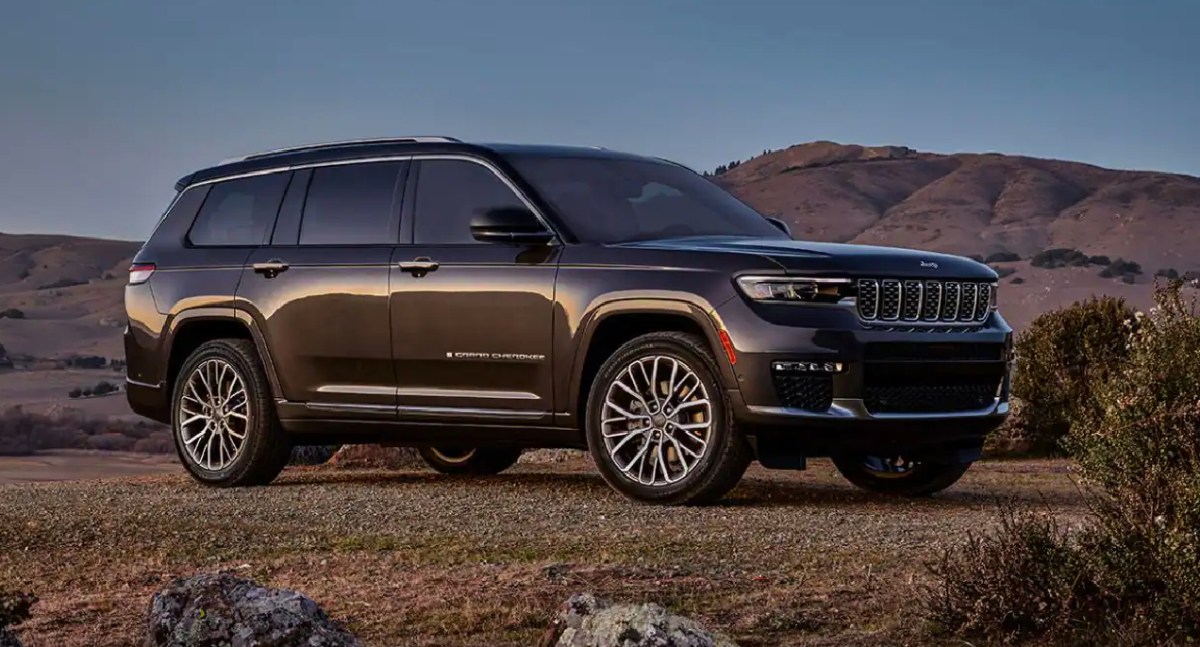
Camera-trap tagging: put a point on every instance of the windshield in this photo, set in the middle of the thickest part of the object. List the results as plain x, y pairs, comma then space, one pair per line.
607, 200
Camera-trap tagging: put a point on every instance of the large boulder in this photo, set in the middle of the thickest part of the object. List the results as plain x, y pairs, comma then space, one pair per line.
224, 610
586, 621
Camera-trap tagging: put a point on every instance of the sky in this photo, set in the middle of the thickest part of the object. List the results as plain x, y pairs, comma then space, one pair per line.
103, 105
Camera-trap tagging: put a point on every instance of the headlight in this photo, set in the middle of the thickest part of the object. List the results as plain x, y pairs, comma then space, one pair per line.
787, 289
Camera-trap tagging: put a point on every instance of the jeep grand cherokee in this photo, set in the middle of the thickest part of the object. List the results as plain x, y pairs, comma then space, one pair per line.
474, 300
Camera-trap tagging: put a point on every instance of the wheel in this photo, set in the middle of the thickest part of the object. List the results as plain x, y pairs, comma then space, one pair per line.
898, 475
223, 419
659, 427
470, 460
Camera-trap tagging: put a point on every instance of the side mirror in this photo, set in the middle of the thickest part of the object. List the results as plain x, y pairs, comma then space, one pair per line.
510, 225
781, 225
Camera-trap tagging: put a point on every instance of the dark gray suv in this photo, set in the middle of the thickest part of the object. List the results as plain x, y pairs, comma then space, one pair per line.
474, 300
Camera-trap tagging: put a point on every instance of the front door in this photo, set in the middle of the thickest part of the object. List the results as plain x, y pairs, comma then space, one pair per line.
471, 321
319, 290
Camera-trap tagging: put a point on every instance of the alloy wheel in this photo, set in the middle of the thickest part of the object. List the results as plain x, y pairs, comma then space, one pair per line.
657, 420
214, 415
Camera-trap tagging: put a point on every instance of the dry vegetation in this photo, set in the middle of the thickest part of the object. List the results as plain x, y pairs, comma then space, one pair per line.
414, 558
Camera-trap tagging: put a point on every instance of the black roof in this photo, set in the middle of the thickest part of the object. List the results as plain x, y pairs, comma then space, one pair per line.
339, 151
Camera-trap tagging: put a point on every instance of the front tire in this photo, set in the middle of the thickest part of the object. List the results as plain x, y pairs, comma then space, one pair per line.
470, 460
659, 426
223, 419
898, 476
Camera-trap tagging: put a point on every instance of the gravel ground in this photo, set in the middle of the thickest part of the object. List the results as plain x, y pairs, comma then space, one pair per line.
415, 558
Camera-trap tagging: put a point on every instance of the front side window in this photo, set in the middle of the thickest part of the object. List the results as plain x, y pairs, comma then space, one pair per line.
239, 212
612, 200
450, 193
351, 204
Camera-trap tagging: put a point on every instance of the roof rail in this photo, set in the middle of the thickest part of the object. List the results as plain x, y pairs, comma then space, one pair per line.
420, 139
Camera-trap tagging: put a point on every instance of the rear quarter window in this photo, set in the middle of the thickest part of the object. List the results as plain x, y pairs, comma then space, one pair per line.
239, 212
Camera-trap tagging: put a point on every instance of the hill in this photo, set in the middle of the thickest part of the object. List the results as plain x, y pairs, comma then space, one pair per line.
983, 205
68, 292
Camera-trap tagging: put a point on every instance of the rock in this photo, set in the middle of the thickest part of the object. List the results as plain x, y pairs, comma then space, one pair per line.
224, 610
587, 621
376, 457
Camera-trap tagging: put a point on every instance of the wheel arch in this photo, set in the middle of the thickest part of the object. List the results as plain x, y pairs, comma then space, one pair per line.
191, 328
615, 323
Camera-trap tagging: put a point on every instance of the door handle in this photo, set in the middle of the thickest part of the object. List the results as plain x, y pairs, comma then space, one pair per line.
271, 268
419, 266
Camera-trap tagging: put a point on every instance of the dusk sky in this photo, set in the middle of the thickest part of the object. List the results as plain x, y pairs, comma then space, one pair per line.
103, 105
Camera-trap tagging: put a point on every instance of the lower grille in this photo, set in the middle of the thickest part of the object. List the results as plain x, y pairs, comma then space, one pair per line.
929, 398
804, 391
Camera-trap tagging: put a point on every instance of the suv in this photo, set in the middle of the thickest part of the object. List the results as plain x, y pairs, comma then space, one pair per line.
474, 300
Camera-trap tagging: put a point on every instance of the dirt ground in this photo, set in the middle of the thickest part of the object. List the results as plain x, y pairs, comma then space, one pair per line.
415, 558
81, 465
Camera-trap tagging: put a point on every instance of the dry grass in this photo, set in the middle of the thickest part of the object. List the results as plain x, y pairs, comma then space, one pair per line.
413, 558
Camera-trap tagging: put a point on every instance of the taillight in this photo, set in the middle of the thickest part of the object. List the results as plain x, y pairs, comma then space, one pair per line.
140, 273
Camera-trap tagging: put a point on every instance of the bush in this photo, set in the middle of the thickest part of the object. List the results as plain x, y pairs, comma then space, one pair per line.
1017, 280
1167, 273
1061, 358
60, 283
1098, 260
102, 387
12, 313
1003, 257
75, 393
1121, 267
1059, 257
14, 608
22, 433
1131, 574
1004, 271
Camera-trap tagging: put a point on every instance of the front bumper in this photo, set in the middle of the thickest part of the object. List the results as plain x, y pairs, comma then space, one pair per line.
908, 389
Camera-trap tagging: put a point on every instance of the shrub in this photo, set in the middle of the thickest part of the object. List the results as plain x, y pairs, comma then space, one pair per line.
75, 393
1167, 273
102, 387
1003, 257
60, 283
1004, 271
1120, 267
1098, 260
1131, 574
1061, 358
1017, 280
12, 313
14, 608
23, 433
1059, 257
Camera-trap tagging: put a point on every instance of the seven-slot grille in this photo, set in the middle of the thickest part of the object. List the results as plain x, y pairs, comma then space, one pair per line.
927, 301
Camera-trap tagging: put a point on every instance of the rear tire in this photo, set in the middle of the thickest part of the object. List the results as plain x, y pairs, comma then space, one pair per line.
679, 421
918, 480
470, 460
223, 417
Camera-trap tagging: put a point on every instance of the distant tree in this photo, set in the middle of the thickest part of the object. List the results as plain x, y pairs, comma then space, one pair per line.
86, 392
75, 393
12, 313
1170, 273
102, 387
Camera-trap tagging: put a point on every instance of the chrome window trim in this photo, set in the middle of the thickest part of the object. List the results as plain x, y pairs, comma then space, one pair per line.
411, 157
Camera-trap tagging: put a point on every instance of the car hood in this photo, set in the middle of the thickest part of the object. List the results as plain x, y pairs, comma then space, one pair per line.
798, 257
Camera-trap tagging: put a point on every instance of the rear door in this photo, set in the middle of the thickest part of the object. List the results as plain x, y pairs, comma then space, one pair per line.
319, 289
471, 321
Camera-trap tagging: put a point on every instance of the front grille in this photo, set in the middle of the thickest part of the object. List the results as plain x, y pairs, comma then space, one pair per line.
924, 301
804, 391
930, 398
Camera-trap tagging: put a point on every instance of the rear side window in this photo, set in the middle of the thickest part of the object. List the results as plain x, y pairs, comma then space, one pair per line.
452, 192
352, 204
239, 212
